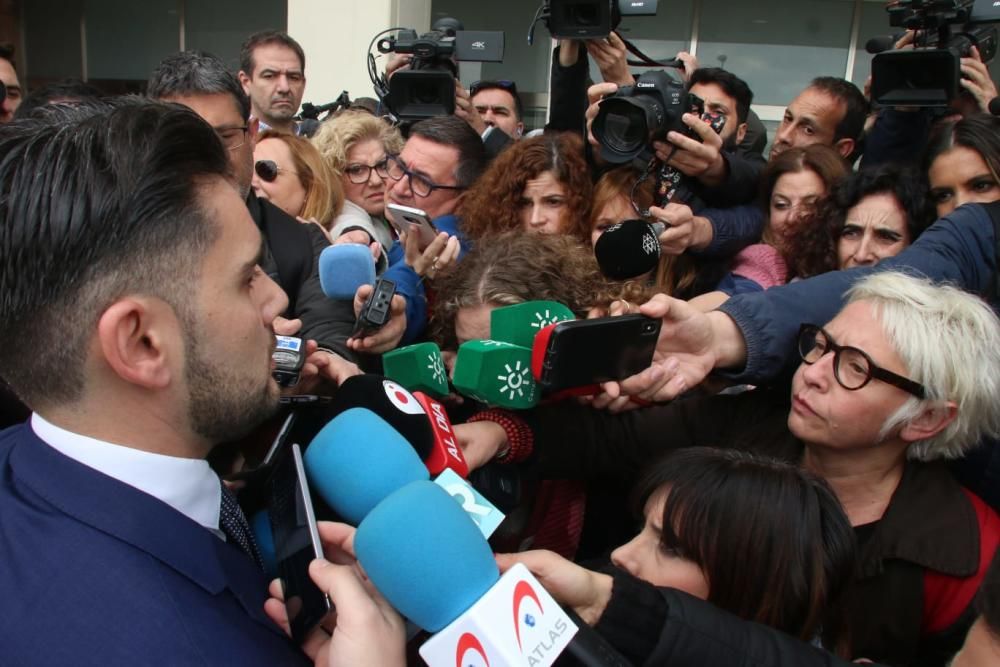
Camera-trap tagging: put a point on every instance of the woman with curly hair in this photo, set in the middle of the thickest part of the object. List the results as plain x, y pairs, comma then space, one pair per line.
538, 185
513, 268
869, 216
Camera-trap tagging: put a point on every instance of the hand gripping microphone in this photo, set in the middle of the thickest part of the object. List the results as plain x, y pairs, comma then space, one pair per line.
429, 561
345, 267
629, 249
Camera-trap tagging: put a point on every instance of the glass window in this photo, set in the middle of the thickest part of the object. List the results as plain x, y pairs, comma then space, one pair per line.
126, 39
874, 23
221, 26
776, 46
52, 40
660, 37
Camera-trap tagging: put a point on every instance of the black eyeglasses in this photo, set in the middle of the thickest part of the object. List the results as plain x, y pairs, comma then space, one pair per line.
852, 367
360, 173
268, 170
420, 185
232, 137
485, 84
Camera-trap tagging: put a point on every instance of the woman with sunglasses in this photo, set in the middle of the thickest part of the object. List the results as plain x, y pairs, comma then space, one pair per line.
907, 374
356, 145
289, 172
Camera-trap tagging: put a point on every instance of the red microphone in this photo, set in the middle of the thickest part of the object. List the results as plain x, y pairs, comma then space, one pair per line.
445, 452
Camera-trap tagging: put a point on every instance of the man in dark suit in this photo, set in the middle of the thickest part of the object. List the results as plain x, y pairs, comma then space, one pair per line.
136, 322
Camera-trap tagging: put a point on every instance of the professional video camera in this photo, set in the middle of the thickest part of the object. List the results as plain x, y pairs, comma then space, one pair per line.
427, 88
628, 121
588, 19
929, 74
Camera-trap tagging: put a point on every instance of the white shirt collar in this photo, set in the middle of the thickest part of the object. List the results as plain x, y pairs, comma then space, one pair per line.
190, 486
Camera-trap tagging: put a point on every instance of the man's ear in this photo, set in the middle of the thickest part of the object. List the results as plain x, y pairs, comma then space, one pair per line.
741, 133
931, 421
519, 131
244, 81
845, 147
137, 337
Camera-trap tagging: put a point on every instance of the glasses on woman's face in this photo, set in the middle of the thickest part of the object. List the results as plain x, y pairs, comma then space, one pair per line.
852, 368
268, 170
361, 173
419, 184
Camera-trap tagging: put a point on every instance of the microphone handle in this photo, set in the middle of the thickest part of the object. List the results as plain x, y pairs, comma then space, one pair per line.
589, 649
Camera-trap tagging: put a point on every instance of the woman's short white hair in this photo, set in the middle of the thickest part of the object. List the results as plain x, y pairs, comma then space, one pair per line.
950, 343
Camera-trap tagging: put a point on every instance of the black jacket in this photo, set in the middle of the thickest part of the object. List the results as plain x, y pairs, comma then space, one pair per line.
292, 260
664, 626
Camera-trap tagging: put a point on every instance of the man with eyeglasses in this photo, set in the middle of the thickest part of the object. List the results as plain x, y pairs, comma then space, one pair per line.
442, 157
201, 82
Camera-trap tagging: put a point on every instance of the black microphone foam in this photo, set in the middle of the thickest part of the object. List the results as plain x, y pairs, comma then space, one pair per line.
877, 45
628, 249
995, 106
390, 401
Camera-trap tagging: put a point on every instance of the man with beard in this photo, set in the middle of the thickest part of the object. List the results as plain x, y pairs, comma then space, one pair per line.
136, 322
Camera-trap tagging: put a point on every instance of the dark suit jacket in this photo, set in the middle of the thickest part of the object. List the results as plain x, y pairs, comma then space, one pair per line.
95, 572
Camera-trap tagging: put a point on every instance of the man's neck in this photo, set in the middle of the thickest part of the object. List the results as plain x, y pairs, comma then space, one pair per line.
130, 424
279, 125
863, 481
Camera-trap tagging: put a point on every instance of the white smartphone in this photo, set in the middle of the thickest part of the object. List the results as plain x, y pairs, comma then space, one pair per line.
409, 220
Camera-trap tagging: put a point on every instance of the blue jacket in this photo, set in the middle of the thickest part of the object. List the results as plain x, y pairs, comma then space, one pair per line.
98, 573
959, 249
410, 286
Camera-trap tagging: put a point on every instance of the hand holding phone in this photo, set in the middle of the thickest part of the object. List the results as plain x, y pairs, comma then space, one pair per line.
409, 220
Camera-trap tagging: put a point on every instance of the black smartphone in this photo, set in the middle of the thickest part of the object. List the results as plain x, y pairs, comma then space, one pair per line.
296, 543
580, 353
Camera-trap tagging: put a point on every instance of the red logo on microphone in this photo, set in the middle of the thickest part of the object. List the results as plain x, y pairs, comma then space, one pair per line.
469, 642
523, 590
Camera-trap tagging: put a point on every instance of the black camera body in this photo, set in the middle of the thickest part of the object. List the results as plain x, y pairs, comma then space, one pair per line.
427, 88
592, 19
929, 75
629, 121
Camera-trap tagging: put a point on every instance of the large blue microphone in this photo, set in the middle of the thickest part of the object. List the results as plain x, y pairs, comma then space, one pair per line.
345, 267
424, 554
357, 460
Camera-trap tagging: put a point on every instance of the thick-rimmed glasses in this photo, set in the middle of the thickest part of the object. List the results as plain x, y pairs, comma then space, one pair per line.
419, 184
852, 368
232, 137
361, 173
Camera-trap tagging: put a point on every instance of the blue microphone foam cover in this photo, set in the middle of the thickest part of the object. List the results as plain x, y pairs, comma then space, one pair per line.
345, 267
356, 460
425, 555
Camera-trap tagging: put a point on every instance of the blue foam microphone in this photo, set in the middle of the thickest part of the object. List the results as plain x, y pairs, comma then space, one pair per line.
260, 525
357, 460
345, 267
426, 557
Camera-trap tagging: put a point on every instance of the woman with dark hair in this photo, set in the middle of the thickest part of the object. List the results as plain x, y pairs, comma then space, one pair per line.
869, 216
962, 162
538, 185
757, 537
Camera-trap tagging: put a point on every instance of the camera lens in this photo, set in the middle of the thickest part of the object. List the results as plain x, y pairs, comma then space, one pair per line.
623, 126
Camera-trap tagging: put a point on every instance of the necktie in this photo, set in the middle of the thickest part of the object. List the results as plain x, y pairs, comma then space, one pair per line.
234, 524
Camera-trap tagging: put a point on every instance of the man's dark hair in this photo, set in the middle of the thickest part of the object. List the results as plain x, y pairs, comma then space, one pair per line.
455, 132
98, 202
67, 91
264, 38
731, 85
196, 73
856, 107
508, 87
7, 53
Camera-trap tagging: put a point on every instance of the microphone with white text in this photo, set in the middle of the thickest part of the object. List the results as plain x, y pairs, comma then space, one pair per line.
345, 267
358, 459
424, 555
629, 249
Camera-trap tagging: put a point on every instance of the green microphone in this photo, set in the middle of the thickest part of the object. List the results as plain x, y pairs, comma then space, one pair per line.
496, 373
518, 324
417, 367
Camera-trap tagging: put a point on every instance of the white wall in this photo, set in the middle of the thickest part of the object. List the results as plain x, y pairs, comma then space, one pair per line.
335, 35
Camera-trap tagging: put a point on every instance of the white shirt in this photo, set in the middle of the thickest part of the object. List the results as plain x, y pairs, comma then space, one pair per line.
189, 486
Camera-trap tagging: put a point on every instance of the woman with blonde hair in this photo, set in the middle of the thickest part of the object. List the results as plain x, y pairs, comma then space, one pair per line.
291, 174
